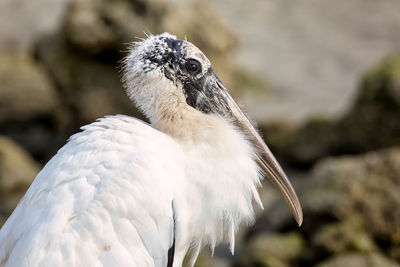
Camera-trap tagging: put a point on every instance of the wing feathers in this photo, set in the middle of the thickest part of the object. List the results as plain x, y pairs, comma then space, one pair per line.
103, 200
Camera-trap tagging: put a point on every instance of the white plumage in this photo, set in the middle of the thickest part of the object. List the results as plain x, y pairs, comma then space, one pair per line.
125, 193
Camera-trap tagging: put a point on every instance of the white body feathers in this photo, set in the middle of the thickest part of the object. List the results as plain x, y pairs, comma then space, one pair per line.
120, 192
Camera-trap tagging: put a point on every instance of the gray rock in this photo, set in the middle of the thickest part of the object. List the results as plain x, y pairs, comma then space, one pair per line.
23, 21
17, 171
348, 235
394, 253
374, 119
205, 259
90, 87
357, 260
302, 146
271, 250
365, 186
87, 27
25, 89
350, 204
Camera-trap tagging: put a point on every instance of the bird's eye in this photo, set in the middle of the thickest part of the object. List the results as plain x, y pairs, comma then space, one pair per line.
193, 66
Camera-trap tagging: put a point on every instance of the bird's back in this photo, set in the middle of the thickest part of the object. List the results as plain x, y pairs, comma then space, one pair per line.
105, 199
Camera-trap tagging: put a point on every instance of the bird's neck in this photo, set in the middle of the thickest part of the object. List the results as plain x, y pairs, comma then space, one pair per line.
221, 176
182, 122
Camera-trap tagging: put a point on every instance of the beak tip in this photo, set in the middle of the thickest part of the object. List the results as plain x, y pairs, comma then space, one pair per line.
298, 213
299, 220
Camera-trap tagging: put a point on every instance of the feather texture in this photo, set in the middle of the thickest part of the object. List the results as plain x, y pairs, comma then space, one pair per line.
103, 200
106, 198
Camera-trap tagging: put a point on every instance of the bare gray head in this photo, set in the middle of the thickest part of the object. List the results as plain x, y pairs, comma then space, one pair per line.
164, 61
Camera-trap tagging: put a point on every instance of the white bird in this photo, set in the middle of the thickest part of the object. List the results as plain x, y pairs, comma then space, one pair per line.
126, 193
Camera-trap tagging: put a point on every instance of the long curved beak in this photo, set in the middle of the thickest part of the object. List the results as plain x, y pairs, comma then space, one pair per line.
220, 101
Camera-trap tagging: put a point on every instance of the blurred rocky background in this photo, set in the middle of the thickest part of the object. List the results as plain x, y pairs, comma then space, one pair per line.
321, 78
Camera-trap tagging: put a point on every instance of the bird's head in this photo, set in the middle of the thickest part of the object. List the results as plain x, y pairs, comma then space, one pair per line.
164, 67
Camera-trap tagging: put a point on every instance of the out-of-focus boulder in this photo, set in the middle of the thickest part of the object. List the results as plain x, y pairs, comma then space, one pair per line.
372, 122
206, 259
301, 147
90, 87
349, 235
271, 250
17, 171
394, 253
88, 28
31, 109
367, 186
25, 89
17, 168
359, 259
23, 21
350, 204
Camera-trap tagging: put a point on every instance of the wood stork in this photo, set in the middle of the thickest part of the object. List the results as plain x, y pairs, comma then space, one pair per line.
126, 193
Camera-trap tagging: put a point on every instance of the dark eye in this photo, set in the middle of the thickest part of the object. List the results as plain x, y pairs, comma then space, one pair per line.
193, 66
